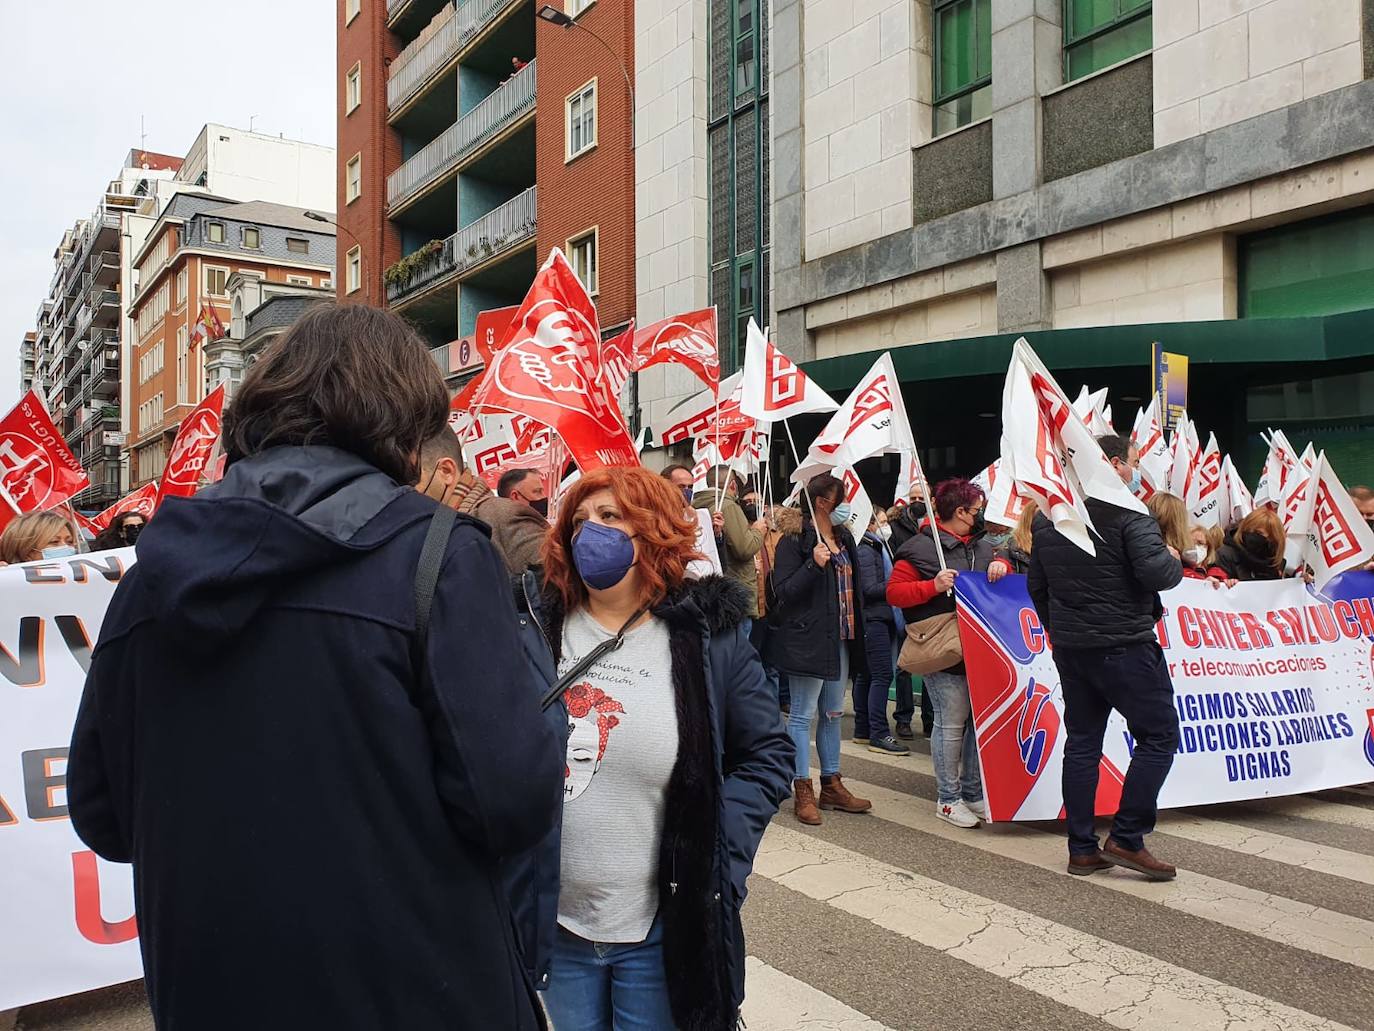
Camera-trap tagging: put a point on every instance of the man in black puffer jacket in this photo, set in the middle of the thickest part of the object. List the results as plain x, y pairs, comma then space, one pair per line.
1100, 614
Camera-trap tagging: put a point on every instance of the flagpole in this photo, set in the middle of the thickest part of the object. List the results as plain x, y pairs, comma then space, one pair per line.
797, 458
930, 512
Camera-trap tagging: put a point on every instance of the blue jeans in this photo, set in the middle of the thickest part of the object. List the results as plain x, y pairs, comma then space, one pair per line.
602, 987
807, 694
1134, 680
953, 745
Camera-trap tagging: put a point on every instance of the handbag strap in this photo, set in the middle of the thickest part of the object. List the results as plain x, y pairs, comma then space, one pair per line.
588, 661
427, 575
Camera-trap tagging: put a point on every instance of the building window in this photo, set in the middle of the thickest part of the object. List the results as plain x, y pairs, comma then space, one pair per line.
581, 128
745, 64
181, 288
744, 294
214, 232
215, 278
572, 8
353, 88
326, 283
298, 280
1098, 33
963, 62
582, 257
252, 239
351, 9
182, 362
354, 270
297, 246
353, 179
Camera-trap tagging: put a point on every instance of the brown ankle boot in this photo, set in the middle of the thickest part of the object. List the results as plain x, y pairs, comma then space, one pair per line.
834, 795
804, 802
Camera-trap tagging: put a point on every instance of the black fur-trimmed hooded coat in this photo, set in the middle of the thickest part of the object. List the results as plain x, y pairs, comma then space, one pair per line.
734, 769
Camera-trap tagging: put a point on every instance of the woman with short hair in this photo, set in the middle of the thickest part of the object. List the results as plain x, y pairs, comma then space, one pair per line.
676, 762
317, 796
37, 535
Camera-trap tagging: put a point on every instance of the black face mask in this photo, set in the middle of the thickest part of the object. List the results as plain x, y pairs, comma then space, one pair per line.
980, 524
1257, 544
541, 506
131, 532
918, 511
751, 512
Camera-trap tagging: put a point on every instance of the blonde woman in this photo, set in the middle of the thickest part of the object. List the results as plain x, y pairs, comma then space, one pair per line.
1172, 515
35, 536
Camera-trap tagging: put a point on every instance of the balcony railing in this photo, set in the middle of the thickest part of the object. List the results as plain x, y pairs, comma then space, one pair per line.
440, 356
433, 49
495, 233
505, 104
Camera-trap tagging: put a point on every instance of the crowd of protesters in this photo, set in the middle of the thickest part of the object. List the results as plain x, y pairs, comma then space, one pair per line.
542, 756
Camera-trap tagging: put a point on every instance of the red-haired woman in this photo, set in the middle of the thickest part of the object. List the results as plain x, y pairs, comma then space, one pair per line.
677, 760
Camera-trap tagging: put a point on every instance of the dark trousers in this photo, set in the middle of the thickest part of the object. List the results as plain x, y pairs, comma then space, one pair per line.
871, 687
758, 633
906, 699
1134, 680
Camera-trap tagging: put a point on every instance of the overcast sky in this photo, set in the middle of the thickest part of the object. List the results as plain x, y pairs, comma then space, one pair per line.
76, 77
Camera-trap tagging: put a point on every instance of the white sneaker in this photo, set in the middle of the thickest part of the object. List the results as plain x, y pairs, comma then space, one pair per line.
956, 813
978, 808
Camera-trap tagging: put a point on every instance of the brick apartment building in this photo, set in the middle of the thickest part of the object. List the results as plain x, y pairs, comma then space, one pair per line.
199, 243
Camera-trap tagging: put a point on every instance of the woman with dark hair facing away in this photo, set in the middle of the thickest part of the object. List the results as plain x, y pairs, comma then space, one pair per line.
315, 795
676, 761
123, 532
1254, 549
922, 588
816, 613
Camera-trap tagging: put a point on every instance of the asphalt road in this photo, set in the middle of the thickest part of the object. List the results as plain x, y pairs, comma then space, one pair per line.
895, 920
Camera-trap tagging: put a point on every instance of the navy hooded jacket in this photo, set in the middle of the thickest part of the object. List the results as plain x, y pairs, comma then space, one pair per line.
317, 826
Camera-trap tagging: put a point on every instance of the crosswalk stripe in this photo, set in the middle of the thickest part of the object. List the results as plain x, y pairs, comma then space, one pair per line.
1315, 809
1207, 830
1337, 936
1122, 987
775, 1001
1278, 848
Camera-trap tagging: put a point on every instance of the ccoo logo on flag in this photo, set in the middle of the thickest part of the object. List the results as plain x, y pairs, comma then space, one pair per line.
1336, 537
25, 462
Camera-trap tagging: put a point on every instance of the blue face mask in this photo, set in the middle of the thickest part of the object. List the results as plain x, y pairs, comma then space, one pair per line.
841, 514
602, 554
1135, 481
998, 540
64, 551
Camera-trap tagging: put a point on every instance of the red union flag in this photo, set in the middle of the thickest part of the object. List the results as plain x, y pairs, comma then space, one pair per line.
688, 340
617, 360
143, 501
707, 415
1337, 538
549, 368
774, 388
491, 329
191, 451
37, 469
872, 421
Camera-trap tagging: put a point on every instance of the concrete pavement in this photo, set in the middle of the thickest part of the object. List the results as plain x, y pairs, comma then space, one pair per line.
896, 920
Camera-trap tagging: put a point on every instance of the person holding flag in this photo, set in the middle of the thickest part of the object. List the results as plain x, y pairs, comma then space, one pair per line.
1099, 609
739, 539
816, 637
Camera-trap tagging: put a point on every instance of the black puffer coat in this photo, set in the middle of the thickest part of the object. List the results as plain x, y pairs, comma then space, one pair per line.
1107, 600
804, 605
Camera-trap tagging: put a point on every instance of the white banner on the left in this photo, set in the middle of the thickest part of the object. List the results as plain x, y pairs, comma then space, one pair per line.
66, 917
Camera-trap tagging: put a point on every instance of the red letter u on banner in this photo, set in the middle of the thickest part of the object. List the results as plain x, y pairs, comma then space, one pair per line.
86, 885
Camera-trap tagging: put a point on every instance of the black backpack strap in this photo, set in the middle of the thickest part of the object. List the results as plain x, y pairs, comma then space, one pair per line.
427, 575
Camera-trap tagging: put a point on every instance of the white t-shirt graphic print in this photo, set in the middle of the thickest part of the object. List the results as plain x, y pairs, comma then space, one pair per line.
622, 746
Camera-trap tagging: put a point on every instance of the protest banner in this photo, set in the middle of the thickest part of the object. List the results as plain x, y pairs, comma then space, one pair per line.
66, 917
1273, 686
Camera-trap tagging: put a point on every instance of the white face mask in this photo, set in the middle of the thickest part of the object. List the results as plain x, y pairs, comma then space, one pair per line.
885, 532
1195, 555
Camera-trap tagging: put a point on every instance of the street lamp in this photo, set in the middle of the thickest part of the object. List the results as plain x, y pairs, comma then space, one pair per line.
554, 16
315, 216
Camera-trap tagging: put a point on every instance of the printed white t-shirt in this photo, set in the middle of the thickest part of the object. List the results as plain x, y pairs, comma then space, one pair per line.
622, 746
